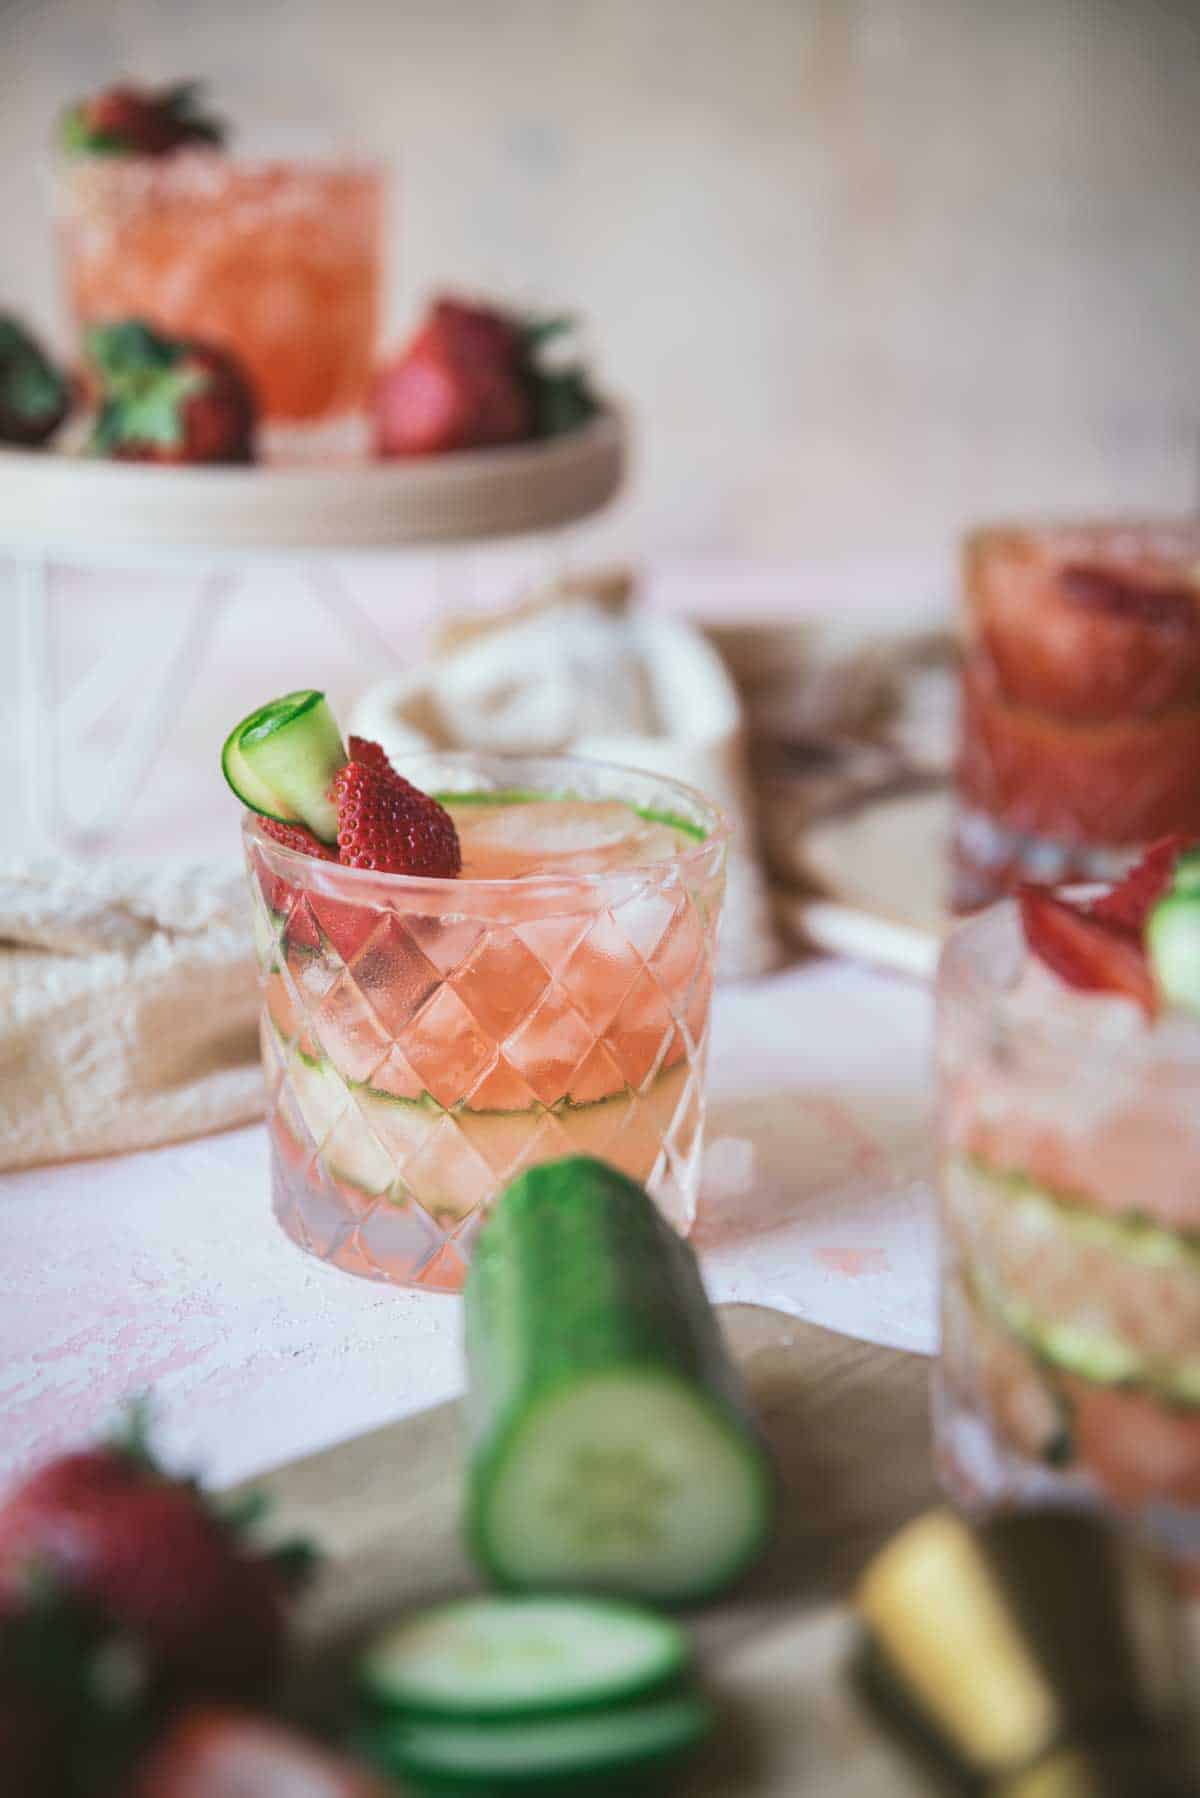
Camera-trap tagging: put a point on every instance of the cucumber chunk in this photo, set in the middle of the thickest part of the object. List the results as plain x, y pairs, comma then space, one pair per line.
592, 1751
281, 759
507, 1658
1173, 938
612, 1449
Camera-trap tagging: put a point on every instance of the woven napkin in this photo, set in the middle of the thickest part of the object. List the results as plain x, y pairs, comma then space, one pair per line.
127, 1006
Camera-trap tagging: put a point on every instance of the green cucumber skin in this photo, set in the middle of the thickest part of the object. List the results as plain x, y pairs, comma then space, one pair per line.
287, 735
576, 1272
668, 1676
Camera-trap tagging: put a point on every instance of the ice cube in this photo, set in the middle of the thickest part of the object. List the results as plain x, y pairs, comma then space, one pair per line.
557, 836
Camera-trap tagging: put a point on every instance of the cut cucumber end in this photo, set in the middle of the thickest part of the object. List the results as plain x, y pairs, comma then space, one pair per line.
502, 1659
1173, 938
254, 794
629, 1481
590, 1752
1186, 878
281, 759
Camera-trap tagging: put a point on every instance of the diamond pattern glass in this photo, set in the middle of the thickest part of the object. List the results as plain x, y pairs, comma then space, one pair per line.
425, 1041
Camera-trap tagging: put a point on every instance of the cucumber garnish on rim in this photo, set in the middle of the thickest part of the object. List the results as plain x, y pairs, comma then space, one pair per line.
1173, 939
281, 759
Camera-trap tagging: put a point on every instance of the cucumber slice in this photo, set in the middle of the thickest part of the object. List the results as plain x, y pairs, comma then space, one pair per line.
611, 1445
252, 792
280, 761
1173, 938
507, 1658
579, 1753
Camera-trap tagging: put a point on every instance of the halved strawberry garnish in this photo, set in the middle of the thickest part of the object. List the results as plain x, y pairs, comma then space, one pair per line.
1131, 901
386, 824
1092, 953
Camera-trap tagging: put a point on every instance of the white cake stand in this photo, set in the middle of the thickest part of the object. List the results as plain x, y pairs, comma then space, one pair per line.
59, 511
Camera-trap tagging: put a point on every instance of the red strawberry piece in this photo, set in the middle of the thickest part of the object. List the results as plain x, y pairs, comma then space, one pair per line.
372, 755
279, 895
130, 120
109, 1529
208, 1752
438, 395
164, 399
389, 825
1132, 899
1090, 953
483, 334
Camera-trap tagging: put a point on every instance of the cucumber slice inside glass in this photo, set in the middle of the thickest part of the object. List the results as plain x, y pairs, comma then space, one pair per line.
502, 1659
281, 759
1173, 938
596, 1749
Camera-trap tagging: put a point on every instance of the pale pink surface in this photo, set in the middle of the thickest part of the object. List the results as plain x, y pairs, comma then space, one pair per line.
165, 1270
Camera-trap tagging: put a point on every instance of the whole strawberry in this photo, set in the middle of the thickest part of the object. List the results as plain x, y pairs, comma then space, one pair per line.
109, 1529
35, 396
216, 1753
164, 399
127, 120
389, 825
438, 395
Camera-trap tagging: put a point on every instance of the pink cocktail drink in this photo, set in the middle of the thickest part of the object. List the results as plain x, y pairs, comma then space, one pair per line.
426, 1040
1070, 1152
278, 262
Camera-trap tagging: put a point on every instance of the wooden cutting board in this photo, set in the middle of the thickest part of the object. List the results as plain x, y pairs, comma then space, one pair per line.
848, 1424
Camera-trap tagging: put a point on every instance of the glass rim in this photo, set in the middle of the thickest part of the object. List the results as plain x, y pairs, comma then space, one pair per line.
716, 836
350, 161
964, 983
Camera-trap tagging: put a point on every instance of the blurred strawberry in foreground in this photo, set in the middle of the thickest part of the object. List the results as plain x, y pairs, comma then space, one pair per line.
205, 1611
138, 121
35, 396
164, 399
474, 377
212, 1753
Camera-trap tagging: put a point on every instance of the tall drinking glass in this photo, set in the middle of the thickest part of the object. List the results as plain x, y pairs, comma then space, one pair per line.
1070, 1192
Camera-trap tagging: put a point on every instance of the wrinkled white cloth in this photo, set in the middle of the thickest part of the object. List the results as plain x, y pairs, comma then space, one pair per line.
128, 1006
582, 673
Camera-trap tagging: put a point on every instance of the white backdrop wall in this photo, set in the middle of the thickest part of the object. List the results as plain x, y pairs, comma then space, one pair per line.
867, 267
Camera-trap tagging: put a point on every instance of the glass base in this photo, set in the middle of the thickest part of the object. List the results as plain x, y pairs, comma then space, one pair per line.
982, 1475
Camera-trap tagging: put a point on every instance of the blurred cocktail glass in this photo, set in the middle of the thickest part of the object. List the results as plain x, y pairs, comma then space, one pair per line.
278, 261
1070, 1195
1080, 738
426, 1040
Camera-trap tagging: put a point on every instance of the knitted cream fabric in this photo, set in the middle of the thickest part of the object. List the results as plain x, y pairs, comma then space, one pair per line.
127, 1006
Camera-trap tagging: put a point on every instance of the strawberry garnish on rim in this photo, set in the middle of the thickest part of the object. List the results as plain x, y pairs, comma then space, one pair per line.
1099, 945
1088, 952
388, 825
1132, 899
126, 120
